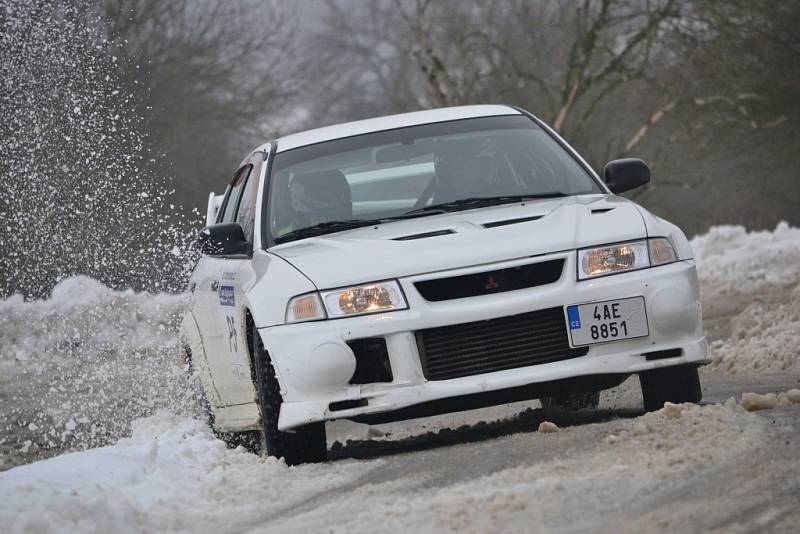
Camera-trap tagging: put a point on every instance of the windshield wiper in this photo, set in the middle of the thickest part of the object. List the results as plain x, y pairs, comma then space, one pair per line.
479, 202
325, 228
413, 214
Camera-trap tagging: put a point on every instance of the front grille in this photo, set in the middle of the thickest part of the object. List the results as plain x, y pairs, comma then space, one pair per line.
496, 344
489, 282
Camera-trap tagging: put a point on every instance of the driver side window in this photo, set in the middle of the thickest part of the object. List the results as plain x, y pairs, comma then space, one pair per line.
228, 211
246, 214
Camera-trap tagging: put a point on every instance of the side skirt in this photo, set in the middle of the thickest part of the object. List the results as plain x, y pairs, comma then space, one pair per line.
237, 418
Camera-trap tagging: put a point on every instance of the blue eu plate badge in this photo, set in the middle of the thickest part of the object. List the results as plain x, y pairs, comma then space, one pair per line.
574, 316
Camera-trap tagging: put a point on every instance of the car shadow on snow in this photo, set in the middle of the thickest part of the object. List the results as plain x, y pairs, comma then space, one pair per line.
524, 422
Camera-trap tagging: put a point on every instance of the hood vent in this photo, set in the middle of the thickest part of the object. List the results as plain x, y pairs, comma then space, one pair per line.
423, 235
598, 211
511, 221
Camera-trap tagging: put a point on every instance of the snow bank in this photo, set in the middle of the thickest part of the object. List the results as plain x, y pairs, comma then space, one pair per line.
765, 338
753, 277
171, 475
77, 368
733, 259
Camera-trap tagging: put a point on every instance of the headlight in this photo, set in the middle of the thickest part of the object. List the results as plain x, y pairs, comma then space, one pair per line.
623, 257
368, 298
376, 297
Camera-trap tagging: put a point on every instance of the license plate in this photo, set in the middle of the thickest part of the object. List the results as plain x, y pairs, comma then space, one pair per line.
610, 320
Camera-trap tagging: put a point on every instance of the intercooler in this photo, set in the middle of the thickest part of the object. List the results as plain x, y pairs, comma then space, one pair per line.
496, 344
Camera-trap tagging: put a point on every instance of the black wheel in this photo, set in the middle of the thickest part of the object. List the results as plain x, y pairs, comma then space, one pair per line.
306, 444
572, 401
671, 384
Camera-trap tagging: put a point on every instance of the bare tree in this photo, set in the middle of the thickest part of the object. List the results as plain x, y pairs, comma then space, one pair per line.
213, 80
615, 77
564, 62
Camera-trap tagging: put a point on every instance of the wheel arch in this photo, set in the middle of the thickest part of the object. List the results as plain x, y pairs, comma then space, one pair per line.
249, 332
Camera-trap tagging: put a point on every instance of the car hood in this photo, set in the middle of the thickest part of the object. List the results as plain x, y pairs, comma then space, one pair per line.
462, 239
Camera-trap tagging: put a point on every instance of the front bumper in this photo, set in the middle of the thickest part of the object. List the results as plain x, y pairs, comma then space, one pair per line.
313, 367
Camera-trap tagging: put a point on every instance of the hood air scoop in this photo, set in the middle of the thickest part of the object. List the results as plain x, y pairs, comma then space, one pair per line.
511, 221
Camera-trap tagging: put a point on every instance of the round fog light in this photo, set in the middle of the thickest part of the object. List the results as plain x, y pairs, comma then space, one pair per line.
330, 364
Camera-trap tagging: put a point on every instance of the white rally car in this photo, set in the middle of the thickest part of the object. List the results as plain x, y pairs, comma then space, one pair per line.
432, 262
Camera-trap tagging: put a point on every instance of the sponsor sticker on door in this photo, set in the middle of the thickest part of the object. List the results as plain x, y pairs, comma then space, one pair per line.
226, 296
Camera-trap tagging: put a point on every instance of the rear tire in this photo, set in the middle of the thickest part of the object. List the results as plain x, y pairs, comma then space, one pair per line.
306, 444
572, 402
671, 384
202, 410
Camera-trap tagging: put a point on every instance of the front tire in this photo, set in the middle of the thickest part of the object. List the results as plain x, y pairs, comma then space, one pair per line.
671, 384
306, 444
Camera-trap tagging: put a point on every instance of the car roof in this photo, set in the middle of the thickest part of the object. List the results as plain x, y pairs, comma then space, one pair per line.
389, 122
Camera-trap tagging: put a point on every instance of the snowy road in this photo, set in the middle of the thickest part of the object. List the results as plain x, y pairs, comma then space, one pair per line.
714, 467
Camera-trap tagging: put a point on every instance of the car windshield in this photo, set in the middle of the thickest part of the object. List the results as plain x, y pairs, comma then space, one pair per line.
416, 171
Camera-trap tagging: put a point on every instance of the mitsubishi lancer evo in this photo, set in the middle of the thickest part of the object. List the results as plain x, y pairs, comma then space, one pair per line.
432, 262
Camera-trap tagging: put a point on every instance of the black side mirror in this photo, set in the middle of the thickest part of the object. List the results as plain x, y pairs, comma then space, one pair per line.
626, 174
223, 239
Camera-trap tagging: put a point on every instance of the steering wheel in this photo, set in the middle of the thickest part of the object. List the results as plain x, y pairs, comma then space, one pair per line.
427, 193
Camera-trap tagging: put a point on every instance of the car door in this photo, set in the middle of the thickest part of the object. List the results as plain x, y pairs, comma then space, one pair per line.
211, 303
201, 282
234, 382
203, 286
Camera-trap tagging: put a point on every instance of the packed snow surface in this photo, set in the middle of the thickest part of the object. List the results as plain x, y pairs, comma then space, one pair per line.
173, 475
